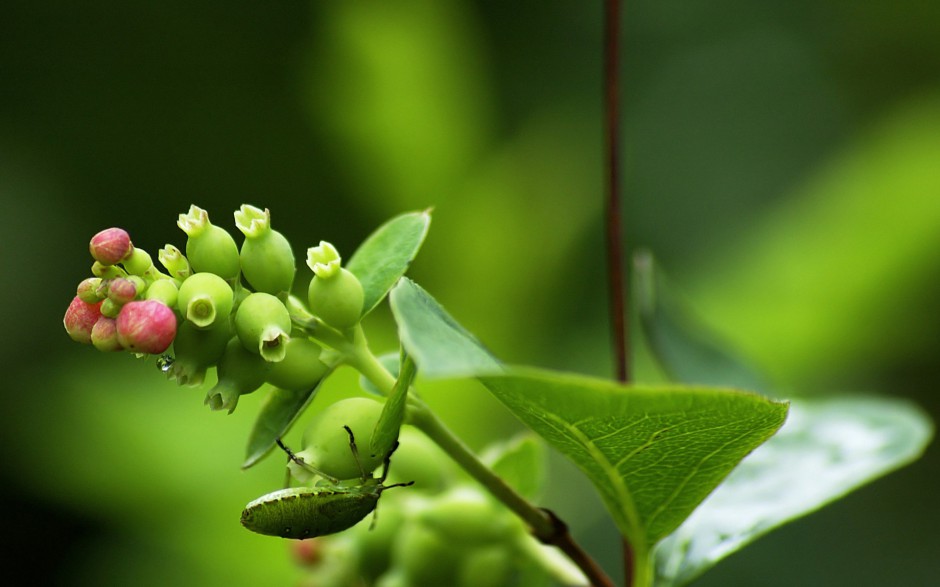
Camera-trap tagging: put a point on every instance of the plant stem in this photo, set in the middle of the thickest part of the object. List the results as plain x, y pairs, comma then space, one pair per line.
545, 525
615, 270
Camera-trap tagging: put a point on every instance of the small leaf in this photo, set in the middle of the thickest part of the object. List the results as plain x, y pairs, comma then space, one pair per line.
828, 448
386, 255
520, 462
685, 350
386, 431
278, 412
439, 345
653, 453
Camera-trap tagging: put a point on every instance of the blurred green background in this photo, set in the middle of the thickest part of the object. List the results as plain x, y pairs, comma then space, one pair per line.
781, 158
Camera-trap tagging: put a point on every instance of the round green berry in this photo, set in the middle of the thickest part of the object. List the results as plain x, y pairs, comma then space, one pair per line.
328, 443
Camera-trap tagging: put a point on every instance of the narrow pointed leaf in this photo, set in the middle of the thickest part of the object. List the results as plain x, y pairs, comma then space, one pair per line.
393, 414
278, 412
386, 255
685, 350
436, 342
653, 453
828, 448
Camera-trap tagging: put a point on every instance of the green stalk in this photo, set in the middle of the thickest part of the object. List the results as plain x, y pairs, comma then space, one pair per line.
544, 525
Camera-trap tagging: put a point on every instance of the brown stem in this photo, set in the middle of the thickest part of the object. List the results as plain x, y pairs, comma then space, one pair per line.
620, 329
562, 539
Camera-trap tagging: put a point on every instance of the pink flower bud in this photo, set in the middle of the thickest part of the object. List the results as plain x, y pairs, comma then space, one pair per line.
80, 318
146, 326
104, 335
88, 290
111, 246
121, 291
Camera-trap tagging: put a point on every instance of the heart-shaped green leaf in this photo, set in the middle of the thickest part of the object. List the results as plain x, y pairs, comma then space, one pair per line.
386, 255
653, 453
438, 344
827, 448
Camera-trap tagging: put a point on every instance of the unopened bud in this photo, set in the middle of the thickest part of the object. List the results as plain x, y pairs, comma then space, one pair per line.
267, 260
146, 326
174, 262
334, 294
240, 373
205, 299
263, 325
209, 248
80, 319
88, 290
104, 335
111, 246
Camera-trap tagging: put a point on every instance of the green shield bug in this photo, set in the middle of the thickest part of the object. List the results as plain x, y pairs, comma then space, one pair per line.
306, 512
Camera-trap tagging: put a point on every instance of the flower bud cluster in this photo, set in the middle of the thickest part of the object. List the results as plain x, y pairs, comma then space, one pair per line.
442, 531
220, 305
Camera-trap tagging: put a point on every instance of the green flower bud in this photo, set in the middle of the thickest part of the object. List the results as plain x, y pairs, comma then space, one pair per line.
334, 294
195, 350
465, 517
88, 290
205, 299
424, 557
80, 319
327, 442
263, 324
418, 459
240, 373
104, 335
489, 566
122, 290
209, 248
395, 578
110, 308
175, 263
107, 271
267, 260
139, 263
163, 290
375, 542
301, 368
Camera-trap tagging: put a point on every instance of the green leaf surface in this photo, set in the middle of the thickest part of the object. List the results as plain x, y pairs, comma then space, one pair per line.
685, 350
827, 448
386, 255
438, 344
520, 462
278, 412
653, 453
393, 413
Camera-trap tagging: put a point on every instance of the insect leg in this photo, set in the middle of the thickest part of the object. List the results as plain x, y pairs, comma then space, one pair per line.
293, 457
355, 452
